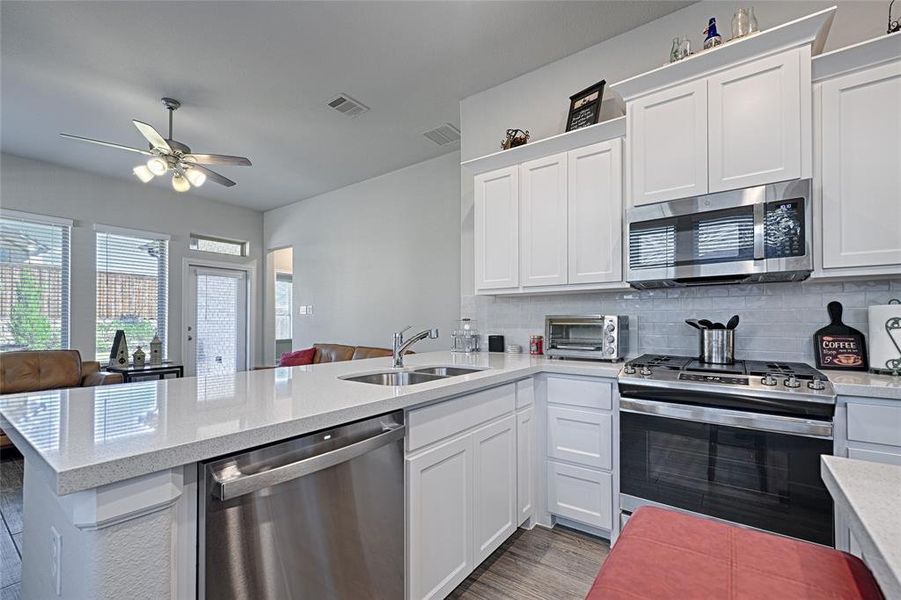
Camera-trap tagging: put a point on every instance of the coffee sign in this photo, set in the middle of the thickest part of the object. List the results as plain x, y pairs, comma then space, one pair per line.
840, 351
839, 346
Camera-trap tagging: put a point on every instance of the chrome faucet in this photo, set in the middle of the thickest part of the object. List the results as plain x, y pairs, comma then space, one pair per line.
400, 346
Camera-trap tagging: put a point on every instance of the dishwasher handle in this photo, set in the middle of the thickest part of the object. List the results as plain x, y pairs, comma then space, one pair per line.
227, 489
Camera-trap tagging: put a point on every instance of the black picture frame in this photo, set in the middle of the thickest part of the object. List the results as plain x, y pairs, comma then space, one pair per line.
585, 107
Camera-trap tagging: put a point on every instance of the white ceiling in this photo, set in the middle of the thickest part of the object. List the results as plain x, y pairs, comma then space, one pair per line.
254, 79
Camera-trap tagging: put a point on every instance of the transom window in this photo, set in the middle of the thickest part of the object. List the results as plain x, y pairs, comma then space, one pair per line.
216, 245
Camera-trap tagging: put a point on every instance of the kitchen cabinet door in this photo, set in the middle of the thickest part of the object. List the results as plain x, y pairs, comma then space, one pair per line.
580, 436
494, 486
439, 532
496, 229
595, 213
583, 495
525, 464
860, 157
755, 122
543, 221
667, 144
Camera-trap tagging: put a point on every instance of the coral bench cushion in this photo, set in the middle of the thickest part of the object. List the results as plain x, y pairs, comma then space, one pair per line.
667, 555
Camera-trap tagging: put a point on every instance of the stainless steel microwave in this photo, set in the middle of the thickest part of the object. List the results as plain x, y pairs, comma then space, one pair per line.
757, 234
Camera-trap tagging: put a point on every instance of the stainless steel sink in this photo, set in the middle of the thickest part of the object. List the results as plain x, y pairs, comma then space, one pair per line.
395, 378
422, 375
447, 371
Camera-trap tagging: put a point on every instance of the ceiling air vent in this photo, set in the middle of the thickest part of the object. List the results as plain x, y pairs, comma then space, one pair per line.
347, 106
443, 135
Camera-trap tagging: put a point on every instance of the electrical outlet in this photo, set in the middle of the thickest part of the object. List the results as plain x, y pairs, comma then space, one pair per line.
303, 309
56, 560
309, 309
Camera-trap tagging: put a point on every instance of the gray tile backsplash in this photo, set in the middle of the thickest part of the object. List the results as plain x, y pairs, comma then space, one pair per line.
777, 319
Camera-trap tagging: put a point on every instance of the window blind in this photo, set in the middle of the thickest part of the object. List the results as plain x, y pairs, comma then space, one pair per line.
132, 290
217, 245
34, 284
283, 292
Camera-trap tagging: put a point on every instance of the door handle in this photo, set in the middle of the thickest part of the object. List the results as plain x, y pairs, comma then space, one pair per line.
226, 489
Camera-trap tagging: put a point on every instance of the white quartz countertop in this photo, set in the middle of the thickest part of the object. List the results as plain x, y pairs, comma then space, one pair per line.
861, 383
94, 436
870, 494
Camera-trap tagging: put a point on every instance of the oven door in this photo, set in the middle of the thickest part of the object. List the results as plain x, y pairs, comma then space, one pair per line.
758, 470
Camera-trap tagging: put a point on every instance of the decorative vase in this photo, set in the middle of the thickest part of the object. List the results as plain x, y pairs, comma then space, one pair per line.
156, 351
713, 37
138, 358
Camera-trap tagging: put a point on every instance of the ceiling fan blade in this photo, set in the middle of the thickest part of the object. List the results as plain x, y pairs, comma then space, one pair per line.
152, 136
212, 175
218, 159
101, 143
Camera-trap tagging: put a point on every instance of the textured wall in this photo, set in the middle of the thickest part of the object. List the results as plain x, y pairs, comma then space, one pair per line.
778, 320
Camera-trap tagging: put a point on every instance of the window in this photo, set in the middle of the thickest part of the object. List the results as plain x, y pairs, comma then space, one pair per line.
217, 245
34, 282
283, 293
132, 282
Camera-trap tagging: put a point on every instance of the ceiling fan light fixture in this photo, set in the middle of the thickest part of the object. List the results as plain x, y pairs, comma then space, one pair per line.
157, 165
196, 177
142, 173
180, 183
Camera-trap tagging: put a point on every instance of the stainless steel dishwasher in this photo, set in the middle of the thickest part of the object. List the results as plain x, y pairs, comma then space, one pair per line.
316, 517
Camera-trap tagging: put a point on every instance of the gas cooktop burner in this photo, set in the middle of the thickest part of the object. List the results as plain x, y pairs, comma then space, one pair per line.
752, 376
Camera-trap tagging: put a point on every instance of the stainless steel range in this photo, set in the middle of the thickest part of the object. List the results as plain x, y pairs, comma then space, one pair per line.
739, 442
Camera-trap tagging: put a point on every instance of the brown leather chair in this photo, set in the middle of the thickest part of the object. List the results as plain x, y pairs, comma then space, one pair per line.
38, 370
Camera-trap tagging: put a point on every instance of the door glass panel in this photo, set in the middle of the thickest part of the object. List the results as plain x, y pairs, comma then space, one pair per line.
766, 480
220, 323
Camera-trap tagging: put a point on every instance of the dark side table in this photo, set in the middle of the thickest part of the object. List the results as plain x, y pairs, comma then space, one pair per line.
132, 373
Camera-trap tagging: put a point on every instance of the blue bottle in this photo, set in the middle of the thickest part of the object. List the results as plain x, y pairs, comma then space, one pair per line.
713, 37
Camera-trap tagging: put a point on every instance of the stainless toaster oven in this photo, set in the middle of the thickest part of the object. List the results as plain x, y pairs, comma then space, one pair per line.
598, 337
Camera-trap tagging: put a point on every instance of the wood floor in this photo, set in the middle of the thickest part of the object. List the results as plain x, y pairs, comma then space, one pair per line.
541, 564
11, 470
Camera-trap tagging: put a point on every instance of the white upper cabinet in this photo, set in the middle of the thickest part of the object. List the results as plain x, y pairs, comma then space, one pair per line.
860, 169
496, 229
667, 141
754, 125
736, 127
595, 212
543, 221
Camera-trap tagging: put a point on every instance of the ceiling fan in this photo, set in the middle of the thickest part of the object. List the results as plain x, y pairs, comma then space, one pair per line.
167, 154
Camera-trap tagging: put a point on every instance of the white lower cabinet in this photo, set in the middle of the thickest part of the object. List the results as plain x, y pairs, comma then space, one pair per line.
469, 483
580, 450
494, 485
525, 459
439, 483
583, 495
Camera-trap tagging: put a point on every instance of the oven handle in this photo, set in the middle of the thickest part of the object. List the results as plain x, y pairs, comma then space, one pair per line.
730, 418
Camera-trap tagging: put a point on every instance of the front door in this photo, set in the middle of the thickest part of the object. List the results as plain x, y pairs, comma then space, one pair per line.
216, 322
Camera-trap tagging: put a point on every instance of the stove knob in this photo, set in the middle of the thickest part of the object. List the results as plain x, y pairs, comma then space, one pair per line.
768, 379
816, 383
610, 339
609, 327
629, 370
611, 350
792, 382
645, 371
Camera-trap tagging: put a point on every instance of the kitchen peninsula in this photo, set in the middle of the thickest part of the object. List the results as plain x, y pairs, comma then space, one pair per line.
113, 470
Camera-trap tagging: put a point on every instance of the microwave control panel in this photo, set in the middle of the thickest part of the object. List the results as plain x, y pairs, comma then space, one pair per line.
784, 227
